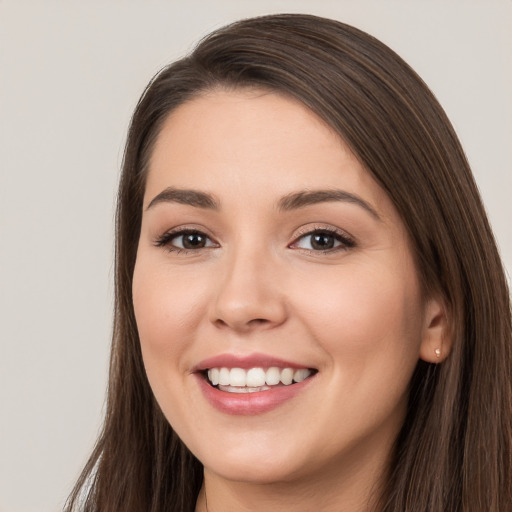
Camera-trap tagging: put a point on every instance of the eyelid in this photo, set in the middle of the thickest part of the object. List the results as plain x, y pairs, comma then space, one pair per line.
347, 240
164, 240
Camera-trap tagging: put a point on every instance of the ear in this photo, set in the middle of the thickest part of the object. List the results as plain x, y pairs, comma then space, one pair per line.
436, 341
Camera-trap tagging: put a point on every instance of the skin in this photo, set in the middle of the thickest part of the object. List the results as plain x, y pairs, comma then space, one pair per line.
356, 313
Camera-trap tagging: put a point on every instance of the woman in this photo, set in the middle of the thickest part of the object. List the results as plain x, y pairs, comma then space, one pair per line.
311, 310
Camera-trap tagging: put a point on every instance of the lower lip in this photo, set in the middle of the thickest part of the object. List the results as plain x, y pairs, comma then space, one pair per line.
250, 403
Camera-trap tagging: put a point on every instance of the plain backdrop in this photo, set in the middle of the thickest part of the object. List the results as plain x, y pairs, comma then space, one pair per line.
70, 75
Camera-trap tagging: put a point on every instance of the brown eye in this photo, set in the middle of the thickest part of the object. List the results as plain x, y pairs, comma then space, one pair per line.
185, 240
323, 240
193, 240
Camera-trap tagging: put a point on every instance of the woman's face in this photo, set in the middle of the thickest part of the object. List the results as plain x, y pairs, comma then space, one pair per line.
266, 246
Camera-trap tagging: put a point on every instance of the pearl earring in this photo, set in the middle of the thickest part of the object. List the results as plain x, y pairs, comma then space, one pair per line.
438, 352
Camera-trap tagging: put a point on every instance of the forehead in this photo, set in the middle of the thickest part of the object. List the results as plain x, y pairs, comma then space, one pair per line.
257, 143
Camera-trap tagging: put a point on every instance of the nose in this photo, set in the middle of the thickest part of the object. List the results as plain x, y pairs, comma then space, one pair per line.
249, 294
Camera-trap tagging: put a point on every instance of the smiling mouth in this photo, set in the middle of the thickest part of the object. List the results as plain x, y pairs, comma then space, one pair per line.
240, 380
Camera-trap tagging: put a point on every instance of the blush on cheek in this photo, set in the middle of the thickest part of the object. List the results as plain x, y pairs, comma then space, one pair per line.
363, 315
166, 320
157, 332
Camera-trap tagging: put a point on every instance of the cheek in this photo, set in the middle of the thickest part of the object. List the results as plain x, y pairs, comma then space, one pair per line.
166, 312
368, 325
365, 314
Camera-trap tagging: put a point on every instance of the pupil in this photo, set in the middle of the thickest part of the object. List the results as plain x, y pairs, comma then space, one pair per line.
322, 241
193, 241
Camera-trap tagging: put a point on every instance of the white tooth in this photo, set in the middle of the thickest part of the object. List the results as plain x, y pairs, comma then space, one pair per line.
213, 375
237, 377
255, 377
301, 375
254, 390
287, 376
273, 376
245, 390
235, 389
224, 377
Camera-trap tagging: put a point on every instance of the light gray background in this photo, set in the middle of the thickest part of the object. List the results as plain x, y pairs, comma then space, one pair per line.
70, 75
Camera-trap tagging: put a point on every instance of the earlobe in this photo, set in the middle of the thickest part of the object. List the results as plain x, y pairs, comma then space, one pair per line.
436, 339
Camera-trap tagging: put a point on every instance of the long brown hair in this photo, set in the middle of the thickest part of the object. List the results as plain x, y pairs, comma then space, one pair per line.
454, 452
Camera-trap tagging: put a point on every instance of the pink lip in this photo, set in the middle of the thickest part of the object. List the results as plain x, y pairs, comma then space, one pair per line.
247, 403
250, 403
246, 361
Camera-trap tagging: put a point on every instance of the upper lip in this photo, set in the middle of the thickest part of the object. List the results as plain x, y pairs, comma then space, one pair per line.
254, 360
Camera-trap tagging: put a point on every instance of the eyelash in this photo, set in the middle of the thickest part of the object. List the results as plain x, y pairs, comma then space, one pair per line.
345, 241
166, 239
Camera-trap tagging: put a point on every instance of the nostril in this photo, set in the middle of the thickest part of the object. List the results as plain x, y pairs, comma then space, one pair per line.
255, 322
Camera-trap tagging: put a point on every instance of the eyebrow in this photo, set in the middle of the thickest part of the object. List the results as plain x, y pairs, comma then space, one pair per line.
185, 196
293, 201
305, 198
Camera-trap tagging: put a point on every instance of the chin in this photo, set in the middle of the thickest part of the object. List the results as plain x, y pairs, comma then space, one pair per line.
259, 465
259, 473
